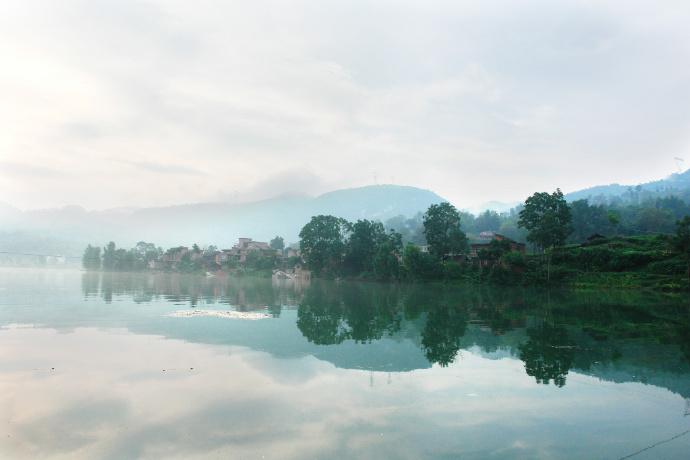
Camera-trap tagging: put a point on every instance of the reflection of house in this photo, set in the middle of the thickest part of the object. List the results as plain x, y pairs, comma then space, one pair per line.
293, 274
487, 238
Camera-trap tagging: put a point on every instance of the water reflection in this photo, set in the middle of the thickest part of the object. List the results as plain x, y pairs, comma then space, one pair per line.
551, 332
243, 293
349, 370
548, 354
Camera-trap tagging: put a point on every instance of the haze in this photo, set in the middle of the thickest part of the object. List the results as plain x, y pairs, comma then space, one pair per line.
133, 103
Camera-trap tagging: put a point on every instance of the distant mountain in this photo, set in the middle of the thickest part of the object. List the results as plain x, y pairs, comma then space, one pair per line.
676, 184
213, 223
498, 206
58, 231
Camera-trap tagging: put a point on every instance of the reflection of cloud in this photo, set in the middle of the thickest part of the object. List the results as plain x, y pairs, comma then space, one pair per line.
109, 397
75, 426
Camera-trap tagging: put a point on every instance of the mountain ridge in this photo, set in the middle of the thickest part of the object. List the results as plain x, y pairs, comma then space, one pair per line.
221, 223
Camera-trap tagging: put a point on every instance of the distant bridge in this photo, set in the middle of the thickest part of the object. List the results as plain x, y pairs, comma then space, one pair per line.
39, 255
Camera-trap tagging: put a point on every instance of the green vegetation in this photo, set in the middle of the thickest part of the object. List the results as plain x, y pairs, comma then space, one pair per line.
644, 261
277, 243
442, 230
92, 258
638, 215
322, 242
568, 247
681, 242
134, 259
547, 220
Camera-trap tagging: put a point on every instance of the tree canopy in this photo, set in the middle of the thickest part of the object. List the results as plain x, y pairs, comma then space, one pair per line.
365, 238
322, 242
681, 240
547, 218
442, 230
277, 243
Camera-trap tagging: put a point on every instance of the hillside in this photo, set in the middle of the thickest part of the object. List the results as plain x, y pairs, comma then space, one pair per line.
212, 223
675, 184
61, 230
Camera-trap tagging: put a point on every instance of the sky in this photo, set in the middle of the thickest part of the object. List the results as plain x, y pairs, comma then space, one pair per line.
150, 103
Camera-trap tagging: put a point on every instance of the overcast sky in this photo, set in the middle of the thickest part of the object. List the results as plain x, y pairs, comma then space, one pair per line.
140, 103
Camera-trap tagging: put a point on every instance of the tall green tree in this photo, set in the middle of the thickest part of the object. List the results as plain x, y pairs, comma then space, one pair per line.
388, 255
442, 230
365, 238
91, 260
588, 219
420, 265
547, 218
322, 242
487, 221
110, 256
277, 243
681, 241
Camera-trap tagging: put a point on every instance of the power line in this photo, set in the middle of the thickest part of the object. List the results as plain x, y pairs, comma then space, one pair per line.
656, 444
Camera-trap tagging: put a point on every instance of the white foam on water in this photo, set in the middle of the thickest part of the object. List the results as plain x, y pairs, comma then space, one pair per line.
230, 314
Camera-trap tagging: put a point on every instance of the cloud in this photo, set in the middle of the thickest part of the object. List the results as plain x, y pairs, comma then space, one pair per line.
31, 170
164, 168
293, 182
476, 100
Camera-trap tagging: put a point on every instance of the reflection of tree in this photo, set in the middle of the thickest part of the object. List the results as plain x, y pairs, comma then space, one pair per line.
90, 282
107, 287
444, 328
370, 311
242, 293
548, 354
331, 313
319, 317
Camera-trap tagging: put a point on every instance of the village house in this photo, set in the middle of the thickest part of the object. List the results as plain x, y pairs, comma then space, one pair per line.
242, 248
487, 237
292, 252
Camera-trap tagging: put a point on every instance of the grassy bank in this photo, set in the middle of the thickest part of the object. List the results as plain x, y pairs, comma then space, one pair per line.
639, 262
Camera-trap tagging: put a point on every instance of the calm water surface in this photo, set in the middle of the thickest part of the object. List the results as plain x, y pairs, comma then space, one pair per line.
167, 366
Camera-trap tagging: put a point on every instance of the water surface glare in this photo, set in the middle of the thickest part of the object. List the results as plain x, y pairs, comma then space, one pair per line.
168, 366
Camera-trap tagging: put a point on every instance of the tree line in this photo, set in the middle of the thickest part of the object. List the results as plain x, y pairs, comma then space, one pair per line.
334, 247
612, 218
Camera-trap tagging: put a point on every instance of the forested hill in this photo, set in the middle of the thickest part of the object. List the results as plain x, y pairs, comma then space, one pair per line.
676, 184
213, 223
641, 209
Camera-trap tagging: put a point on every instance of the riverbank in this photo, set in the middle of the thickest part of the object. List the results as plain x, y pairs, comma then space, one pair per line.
639, 262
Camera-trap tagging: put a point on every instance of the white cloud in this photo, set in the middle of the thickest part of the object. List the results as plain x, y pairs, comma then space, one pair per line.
477, 101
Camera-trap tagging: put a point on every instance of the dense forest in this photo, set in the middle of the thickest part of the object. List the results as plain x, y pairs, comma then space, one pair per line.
622, 217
